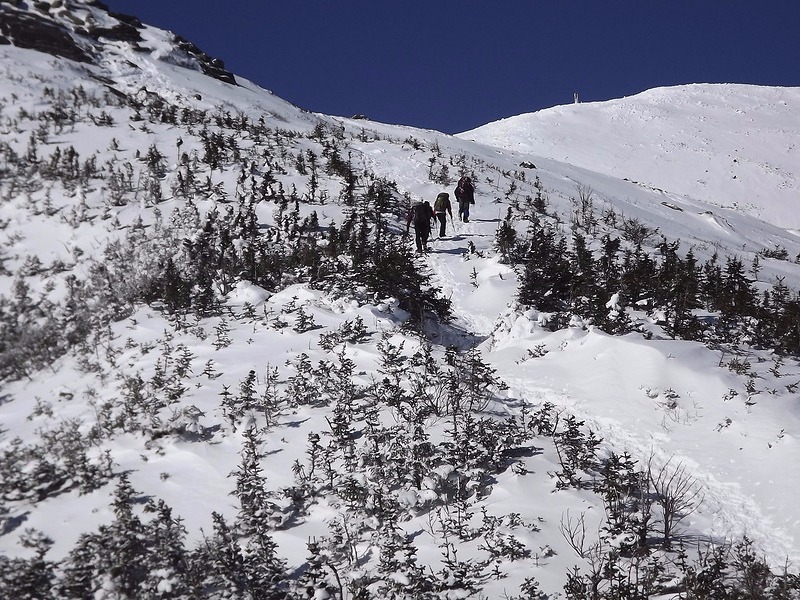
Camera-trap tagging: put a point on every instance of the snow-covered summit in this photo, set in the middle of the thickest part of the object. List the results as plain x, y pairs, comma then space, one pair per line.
727, 144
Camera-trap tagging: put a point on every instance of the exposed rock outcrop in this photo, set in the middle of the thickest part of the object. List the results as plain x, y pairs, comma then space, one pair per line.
85, 30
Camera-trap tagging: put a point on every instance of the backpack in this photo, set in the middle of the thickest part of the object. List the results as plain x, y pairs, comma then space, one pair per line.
442, 201
421, 214
465, 191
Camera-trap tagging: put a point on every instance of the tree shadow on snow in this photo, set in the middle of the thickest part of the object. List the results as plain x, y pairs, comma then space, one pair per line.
12, 523
204, 435
447, 334
454, 251
693, 540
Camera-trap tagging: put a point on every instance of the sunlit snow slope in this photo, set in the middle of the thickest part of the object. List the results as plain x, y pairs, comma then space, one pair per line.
720, 155
730, 145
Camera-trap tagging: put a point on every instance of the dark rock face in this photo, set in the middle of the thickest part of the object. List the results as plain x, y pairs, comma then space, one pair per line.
211, 66
55, 29
123, 32
24, 30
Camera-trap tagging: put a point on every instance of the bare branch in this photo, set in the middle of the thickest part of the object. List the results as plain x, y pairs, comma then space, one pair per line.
677, 491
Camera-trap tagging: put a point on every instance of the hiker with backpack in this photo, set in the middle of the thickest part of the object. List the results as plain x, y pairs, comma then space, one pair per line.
421, 214
465, 194
441, 208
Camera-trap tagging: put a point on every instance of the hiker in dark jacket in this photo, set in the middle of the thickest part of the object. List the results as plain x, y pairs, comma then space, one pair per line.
441, 208
465, 194
421, 215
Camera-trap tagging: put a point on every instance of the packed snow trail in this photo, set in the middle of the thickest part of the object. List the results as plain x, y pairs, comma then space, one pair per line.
477, 284
632, 394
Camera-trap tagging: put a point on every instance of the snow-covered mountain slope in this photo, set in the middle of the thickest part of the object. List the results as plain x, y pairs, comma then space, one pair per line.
127, 56
729, 145
113, 164
85, 31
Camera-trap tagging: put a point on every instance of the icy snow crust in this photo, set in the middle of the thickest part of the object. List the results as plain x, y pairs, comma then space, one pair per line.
689, 142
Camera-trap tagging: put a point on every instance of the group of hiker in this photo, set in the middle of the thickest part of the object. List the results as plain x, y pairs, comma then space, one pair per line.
422, 214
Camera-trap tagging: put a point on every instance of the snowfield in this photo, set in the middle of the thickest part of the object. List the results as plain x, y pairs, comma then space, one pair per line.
713, 166
729, 145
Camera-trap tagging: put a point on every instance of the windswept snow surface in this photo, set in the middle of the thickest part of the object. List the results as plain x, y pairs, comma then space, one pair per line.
719, 154
727, 144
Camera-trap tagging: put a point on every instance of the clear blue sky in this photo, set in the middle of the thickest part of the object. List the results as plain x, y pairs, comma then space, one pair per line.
453, 65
